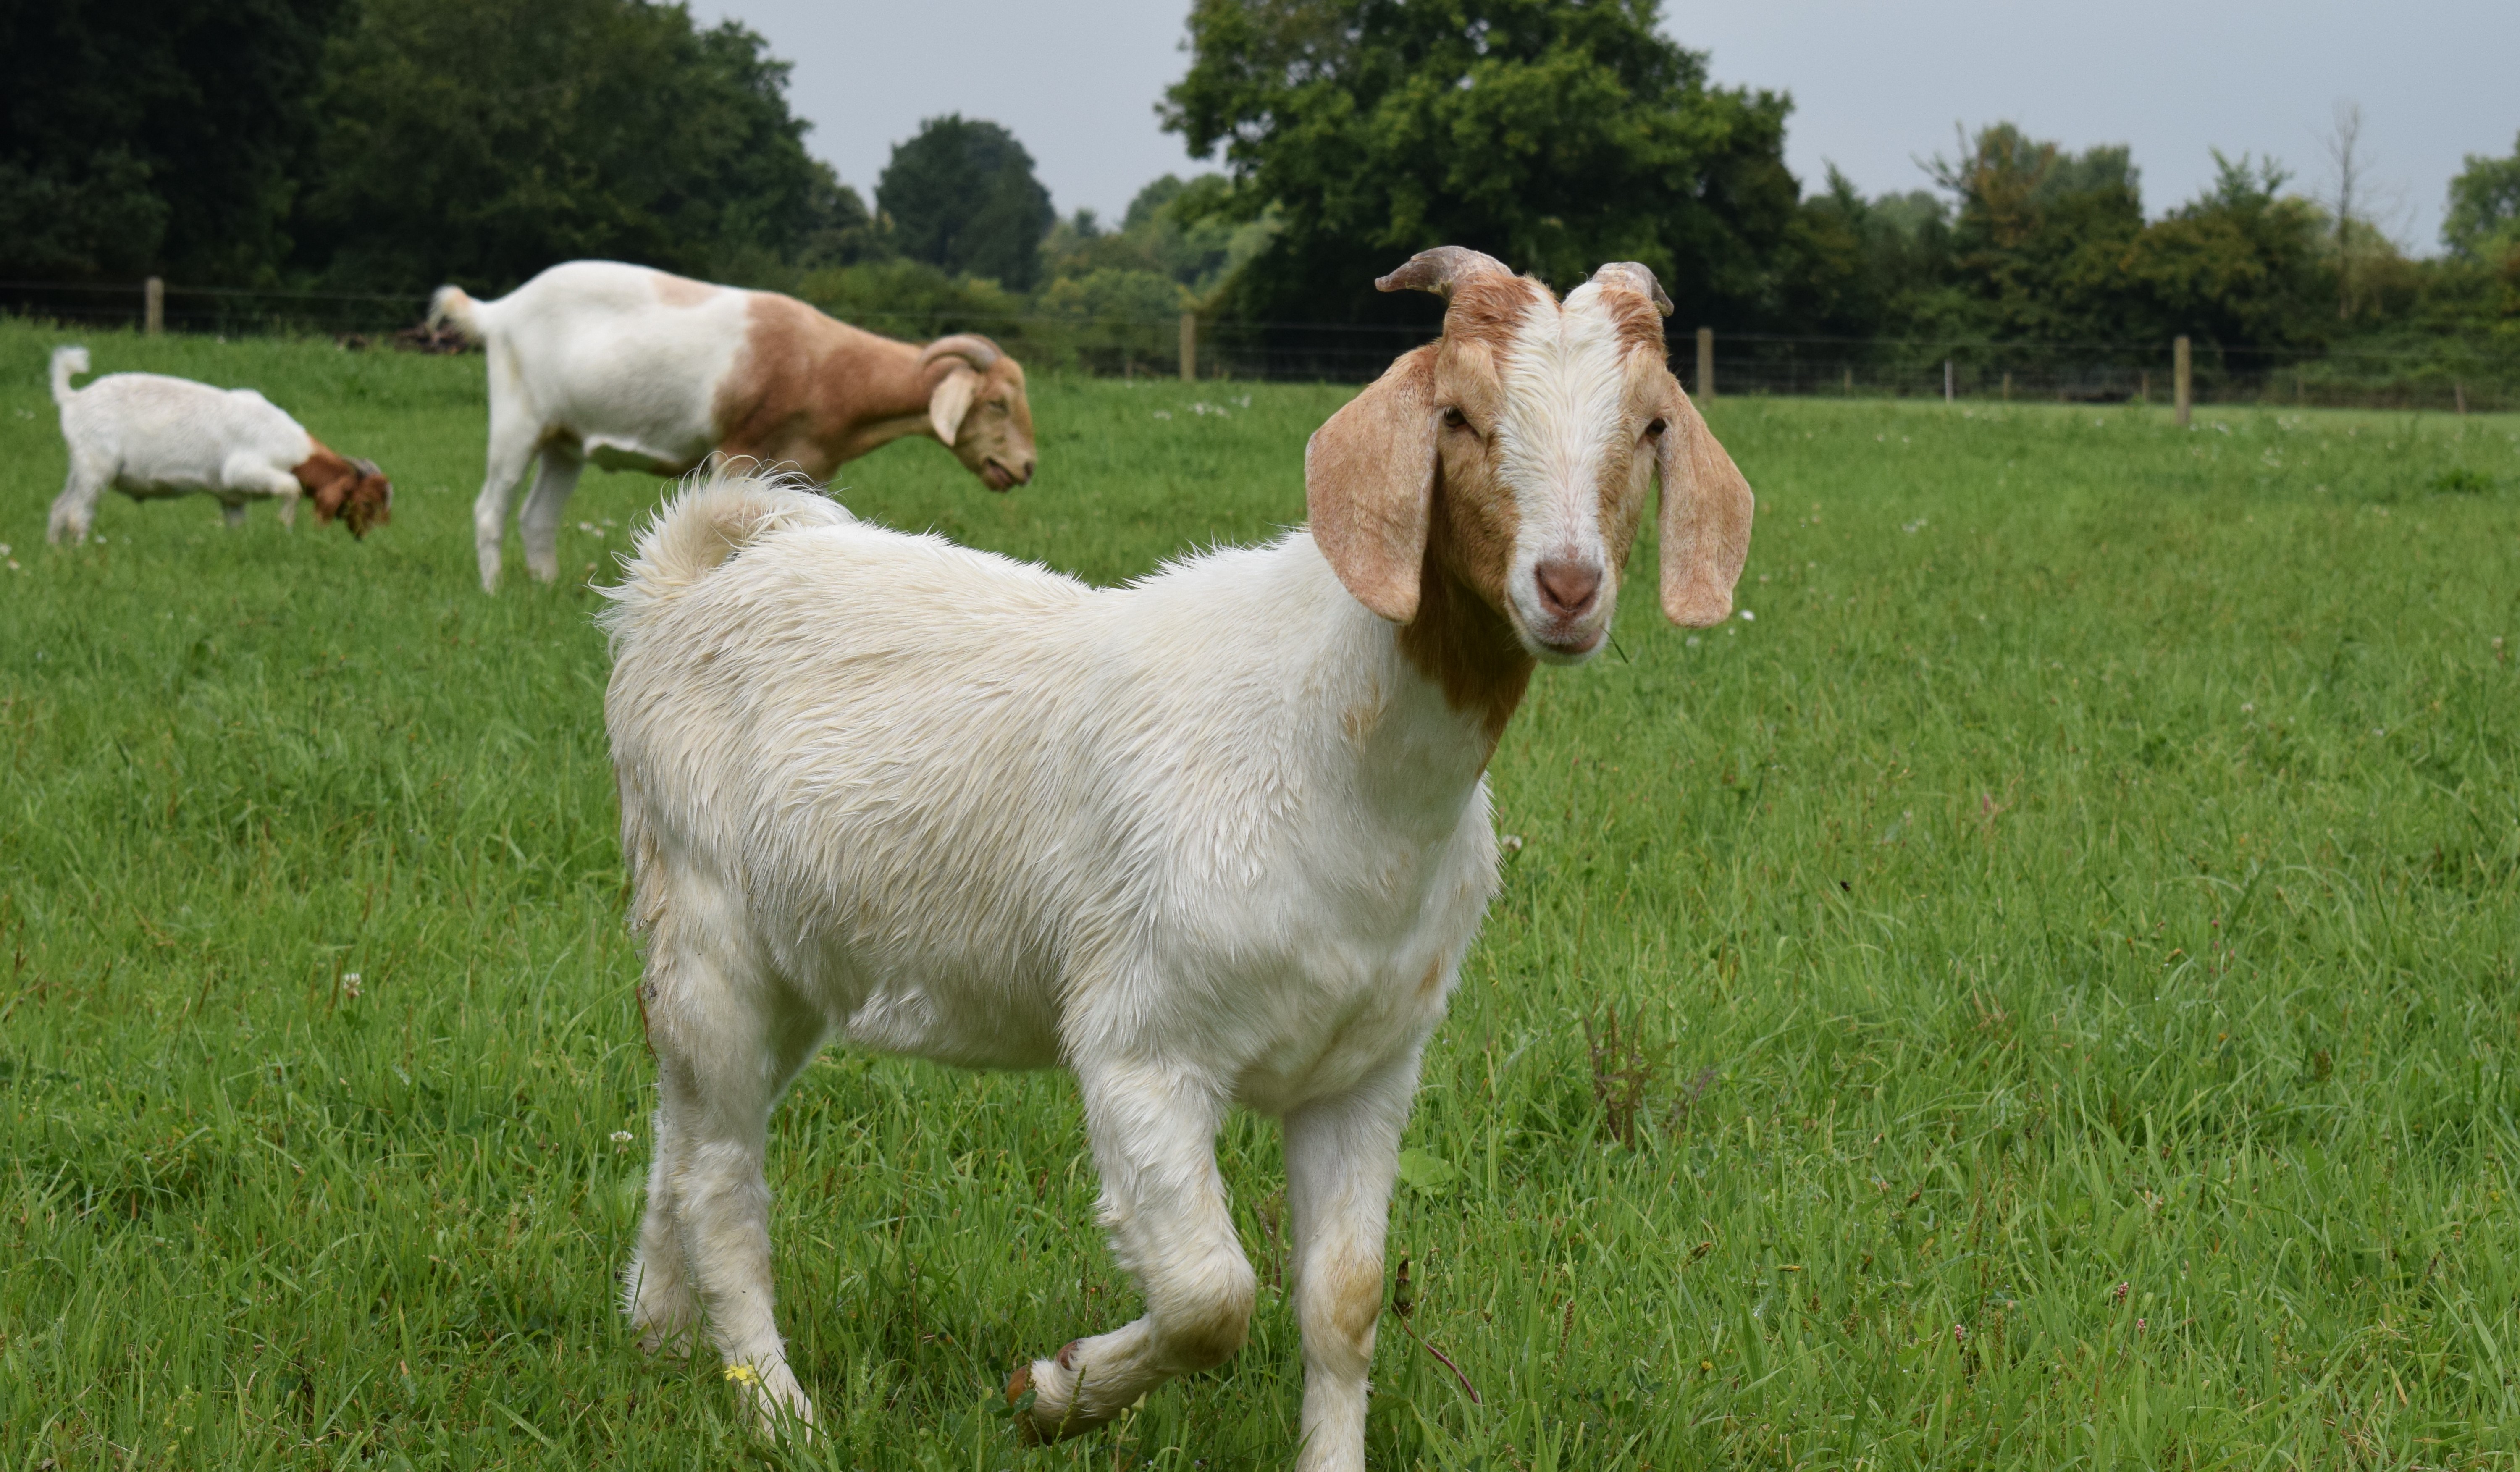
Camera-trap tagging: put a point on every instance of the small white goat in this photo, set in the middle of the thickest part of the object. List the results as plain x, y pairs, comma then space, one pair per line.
1220, 837
148, 436
634, 369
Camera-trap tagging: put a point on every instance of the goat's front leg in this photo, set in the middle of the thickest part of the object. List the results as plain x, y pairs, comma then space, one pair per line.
1341, 1154
1153, 1130
245, 475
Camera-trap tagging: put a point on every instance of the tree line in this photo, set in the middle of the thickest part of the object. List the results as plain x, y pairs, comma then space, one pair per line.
390, 144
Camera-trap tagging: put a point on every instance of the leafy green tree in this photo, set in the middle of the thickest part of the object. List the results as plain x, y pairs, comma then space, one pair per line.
2038, 236
154, 135
1191, 233
909, 298
1863, 267
2483, 221
484, 140
1553, 134
2242, 265
961, 196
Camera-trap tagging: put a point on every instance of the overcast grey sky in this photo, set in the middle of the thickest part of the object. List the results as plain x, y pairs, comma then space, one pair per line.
1875, 85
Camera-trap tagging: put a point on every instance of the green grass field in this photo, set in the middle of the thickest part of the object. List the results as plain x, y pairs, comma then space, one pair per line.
2044, 994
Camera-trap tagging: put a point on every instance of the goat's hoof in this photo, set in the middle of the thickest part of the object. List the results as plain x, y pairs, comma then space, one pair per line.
1017, 1385
1051, 1386
780, 1406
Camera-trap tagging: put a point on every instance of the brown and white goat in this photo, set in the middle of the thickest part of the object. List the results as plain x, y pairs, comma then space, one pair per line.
151, 436
1217, 838
634, 369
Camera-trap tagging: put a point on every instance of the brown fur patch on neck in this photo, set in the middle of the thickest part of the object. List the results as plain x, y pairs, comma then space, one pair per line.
322, 469
1463, 646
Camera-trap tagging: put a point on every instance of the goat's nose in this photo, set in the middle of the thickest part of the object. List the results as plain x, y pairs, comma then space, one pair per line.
1567, 587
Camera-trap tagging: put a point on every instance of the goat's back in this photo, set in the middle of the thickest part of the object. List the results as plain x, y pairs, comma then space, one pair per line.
154, 426
606, 350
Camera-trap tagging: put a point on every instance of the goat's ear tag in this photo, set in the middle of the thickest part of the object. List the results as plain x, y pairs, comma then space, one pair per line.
951, 401
1370, 486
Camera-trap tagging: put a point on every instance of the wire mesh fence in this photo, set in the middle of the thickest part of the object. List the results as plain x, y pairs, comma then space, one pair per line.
2453, 375
229, 311
2445, 375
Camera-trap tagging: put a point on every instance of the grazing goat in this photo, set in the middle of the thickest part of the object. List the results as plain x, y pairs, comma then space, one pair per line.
634, 369
1220, 837
148, 436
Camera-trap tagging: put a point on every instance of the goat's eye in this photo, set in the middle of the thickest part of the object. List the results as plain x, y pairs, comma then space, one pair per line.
1454, 419
1655, 429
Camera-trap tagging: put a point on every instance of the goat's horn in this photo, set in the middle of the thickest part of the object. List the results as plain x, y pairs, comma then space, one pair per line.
1636, 276
1440, 270
365, 467
970, 347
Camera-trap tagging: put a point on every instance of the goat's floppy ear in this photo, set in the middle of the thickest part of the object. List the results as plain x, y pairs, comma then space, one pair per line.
329, 496
951, 401
1706, 512
1370, 486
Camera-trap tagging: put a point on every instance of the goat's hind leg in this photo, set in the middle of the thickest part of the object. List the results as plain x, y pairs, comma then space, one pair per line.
1154, 1144
74, 508
555, 478
657, 1291
515, 437
728, 1039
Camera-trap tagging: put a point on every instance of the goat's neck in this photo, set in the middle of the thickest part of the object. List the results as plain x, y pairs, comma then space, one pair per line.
1466, 649
1456, 673
894, 387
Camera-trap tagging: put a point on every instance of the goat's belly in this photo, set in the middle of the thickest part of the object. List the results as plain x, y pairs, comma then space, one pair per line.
944, 1025
160, 487
626, 455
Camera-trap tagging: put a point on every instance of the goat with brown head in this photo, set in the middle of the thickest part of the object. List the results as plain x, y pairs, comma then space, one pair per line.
978, 409
348, 487
1485, 491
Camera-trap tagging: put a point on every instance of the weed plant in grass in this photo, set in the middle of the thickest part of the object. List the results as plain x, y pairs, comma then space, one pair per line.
2041, 993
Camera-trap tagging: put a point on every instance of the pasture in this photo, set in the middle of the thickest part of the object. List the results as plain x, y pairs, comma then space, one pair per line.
2042, 993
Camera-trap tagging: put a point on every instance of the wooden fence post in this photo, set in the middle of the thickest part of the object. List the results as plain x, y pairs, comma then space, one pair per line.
2459, 394
2182, 380
2008, 385
1951, 393
152, 310
1706, 363
1190, 346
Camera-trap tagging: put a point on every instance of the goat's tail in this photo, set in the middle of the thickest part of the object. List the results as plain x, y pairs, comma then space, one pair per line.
718, 514
68, 364
453, 307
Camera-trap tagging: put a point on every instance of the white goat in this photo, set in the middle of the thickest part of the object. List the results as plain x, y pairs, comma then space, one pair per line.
1219, 837
149, 437
638, 370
